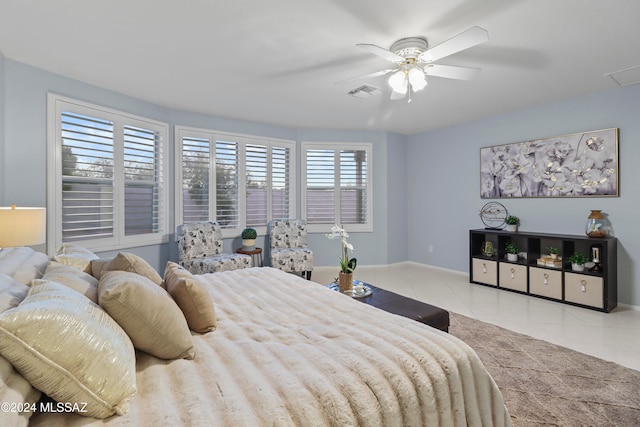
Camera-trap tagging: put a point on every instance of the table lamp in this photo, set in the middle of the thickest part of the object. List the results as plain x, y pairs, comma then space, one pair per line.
22, 226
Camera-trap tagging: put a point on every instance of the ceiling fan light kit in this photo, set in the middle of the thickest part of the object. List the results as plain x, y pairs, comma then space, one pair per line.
415, 61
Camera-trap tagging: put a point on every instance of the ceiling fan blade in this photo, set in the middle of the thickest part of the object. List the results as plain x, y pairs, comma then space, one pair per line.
382, 52
365, 76
472, 37
451, 72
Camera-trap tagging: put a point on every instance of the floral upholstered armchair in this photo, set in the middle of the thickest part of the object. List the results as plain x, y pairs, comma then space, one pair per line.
288, 245
200, 249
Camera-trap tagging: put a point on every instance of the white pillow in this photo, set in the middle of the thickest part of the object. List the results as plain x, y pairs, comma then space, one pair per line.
23, 264
13, 387
70, 349
147, 313
75, 256
72, 278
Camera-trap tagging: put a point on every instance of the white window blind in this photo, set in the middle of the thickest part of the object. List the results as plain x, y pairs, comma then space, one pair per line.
337, 186
106, 177
87, 177
227, 190
254, 179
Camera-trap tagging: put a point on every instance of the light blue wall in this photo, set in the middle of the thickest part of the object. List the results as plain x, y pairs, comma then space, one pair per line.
23, 164
443, 181
396, 190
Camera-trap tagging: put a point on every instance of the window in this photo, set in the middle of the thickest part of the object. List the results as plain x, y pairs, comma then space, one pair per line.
107, 177
337, 186
251, 179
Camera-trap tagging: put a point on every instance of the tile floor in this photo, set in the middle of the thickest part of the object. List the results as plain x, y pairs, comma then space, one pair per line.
611, 336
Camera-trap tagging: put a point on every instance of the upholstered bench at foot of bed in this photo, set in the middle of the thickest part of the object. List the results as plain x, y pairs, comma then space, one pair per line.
407, 307
217, 263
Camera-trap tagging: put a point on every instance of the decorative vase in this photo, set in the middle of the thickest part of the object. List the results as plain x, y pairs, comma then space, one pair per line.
512, 257
553, 256
596, 224
512, 227
345, 281
577, 267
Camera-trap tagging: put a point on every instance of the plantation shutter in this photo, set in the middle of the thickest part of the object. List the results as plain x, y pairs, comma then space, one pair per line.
196, 161
87, 177
143, 181
320, 186
227, 189
256, 183
280, 182
353, 187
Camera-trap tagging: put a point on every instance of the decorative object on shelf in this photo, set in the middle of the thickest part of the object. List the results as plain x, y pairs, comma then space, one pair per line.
577, 260
487, 249
576, 165
347, 266
553, 252
596, 224
249, 236
595, 258
512, 252
512, 222
493, 215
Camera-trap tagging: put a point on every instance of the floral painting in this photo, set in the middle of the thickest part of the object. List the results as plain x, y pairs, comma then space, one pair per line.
576, 165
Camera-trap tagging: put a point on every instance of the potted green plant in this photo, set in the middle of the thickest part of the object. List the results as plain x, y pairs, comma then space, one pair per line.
553, 252
512, 222
512, 252
249, 236
577, 261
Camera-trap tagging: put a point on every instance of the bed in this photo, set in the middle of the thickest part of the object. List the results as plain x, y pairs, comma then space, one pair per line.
285, 351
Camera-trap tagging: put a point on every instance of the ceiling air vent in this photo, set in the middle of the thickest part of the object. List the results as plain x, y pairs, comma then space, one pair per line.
627, 77
364, 91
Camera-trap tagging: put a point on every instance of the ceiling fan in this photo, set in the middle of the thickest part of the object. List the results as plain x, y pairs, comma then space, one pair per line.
415, 61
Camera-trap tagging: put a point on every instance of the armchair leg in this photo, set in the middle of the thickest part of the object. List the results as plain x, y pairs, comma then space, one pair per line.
307, 274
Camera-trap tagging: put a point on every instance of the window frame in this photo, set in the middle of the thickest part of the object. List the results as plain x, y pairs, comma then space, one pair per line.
337, 147
243, 140
56, 104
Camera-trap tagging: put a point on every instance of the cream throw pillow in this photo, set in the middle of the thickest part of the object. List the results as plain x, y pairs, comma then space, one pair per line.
11, 292
125, 261
147, 313
191, 297
72, 278
69, 348
98, 265
75, 256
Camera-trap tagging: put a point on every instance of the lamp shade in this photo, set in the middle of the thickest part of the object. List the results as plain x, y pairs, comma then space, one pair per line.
398, 82
22, 226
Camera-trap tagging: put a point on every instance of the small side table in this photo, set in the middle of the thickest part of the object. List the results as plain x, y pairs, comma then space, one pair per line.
256, 255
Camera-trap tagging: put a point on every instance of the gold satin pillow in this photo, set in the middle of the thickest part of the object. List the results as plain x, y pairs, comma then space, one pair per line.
191, 297
147, 313
70, 349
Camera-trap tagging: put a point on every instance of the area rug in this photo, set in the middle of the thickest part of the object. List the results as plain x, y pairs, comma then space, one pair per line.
548, 385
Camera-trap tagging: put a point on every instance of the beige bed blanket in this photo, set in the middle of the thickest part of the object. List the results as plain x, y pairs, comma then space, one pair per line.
289, 352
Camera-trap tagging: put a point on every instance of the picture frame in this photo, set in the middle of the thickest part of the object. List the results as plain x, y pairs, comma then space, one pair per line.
583, 164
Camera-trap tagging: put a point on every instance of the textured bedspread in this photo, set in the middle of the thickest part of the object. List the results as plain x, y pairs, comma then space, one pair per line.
288, 352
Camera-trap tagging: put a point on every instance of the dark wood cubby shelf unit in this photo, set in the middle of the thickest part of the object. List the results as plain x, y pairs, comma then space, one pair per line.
596, 290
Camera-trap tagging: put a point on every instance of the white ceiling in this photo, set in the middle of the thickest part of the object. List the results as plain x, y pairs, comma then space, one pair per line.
276, 61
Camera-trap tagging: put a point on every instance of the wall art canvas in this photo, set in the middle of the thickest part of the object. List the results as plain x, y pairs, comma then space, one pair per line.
578, 165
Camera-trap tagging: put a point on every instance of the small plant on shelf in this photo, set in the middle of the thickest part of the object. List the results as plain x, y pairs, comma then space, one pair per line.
577, 260
512, 220
512, 252
553, 252
512, 249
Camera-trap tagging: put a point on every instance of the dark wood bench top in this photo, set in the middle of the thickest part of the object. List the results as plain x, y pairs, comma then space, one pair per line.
407, 307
